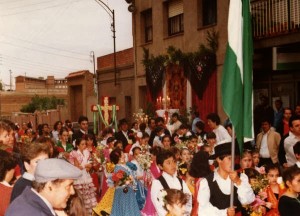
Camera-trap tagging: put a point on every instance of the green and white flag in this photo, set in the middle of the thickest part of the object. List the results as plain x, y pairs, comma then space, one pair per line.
237, 97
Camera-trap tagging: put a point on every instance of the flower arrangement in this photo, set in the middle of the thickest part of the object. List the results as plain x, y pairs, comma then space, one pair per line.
144, 161
121, 178
99, 154
257, 207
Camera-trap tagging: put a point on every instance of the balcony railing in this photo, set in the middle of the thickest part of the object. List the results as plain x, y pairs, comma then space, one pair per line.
274, 17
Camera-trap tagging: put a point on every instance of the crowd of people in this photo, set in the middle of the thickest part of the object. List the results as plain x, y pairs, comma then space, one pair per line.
151, 169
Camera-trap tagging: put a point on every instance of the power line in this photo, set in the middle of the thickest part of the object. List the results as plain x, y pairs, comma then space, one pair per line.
29, 11
42, 45
33, 62
36, 50
29, 5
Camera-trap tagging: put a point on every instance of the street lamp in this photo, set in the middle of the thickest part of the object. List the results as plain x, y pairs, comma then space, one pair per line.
111, 13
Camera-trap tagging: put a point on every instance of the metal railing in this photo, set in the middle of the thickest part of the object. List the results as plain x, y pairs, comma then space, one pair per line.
274, 17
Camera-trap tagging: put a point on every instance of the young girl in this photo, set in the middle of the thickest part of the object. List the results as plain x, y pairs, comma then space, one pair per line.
64, 148
124, 202
166, 141
246, 160
95, 164
80, 157
274, 190
199, 169
175, 201
149, 209
289, 202
185, 159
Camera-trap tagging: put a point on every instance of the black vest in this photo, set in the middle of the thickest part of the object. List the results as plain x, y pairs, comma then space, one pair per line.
165, 184
218, 198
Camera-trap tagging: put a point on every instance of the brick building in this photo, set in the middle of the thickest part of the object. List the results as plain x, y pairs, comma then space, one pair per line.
81, 94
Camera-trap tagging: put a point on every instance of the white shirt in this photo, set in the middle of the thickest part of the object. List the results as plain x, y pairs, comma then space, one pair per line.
264, 150
244, 191
157, 142
173, 182
221, 134
289, 143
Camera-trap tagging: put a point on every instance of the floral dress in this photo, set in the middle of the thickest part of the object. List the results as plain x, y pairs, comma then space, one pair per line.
125, 202
85, 184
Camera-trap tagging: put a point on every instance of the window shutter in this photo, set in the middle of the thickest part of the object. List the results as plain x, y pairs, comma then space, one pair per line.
175, 8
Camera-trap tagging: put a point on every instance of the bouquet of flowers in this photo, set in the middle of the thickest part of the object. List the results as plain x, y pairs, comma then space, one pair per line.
121, 178
99, 154
144, 161
259, 185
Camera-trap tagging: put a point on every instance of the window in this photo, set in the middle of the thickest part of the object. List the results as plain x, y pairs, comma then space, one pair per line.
209, 12
175, 17
148, 25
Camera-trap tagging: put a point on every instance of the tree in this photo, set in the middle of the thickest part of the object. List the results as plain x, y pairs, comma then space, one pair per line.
42, 103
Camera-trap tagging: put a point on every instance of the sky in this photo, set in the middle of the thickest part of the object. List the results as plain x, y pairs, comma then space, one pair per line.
39, 38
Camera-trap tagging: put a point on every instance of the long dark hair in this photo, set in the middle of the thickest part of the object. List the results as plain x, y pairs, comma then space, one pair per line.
200, 167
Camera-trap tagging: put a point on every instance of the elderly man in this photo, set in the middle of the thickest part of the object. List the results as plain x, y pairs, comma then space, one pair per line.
51, 189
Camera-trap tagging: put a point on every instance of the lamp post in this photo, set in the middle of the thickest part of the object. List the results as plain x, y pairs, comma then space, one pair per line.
111, 13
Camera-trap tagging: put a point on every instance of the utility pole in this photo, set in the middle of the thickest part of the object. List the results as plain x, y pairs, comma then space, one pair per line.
10, 81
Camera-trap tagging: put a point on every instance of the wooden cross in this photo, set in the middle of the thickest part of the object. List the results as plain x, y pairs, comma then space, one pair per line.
105, 108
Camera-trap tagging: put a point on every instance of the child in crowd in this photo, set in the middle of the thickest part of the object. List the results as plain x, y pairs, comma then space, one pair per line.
192, 144
31, 153
255, 162
7, 169
141, 192
149, 209
214, 191
274, 190
124, 202
80, 157
176, 153
246, 160
166, 141
198, 170
185, 159
289, 204
175, 202
64, 148
159, 133
167, 163
211, 139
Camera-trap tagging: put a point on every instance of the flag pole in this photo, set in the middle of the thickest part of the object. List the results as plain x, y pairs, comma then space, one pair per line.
232, 165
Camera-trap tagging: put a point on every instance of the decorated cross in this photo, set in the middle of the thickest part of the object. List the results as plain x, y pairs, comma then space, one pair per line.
105, 109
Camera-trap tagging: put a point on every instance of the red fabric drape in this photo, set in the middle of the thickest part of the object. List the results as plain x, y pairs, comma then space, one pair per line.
208, 103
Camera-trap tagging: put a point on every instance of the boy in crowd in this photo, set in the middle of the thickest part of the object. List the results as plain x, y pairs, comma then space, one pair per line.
31, 154
167, 164
214, 191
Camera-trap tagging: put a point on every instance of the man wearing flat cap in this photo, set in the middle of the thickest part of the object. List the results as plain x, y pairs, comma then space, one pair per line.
214, 191
51, 189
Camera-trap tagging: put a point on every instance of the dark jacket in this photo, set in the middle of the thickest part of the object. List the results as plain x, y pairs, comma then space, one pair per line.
28, 203
19, 187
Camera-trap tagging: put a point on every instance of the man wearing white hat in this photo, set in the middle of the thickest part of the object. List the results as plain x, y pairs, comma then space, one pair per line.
51, 189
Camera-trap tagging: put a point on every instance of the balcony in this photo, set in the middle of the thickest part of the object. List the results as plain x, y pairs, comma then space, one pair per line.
275, 17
